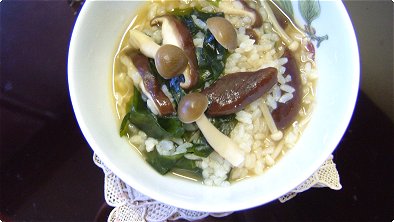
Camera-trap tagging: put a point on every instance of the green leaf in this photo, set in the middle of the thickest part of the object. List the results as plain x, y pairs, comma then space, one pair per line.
225, 124
211, 59
287, 7
162, 163
172, 125
143, 119
310, 10
200, 147
186, 164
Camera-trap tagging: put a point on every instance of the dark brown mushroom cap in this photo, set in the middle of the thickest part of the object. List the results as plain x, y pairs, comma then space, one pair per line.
152, 86
223, 31
170, 61
233, 92
192, 106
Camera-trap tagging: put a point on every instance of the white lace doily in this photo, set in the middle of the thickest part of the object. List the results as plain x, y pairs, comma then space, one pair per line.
131, 205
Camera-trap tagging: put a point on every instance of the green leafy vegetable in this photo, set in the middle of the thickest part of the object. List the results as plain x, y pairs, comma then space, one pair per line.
162, 163
225, 124
172, 125
200, 147
186, 164
143, 119
212, 56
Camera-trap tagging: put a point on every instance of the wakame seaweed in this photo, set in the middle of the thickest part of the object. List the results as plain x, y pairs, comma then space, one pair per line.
212, 58
225, 124
164, 163
156, 127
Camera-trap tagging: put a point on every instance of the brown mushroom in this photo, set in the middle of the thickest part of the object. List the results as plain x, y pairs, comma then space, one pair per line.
223, 31
191, 108
170, 61
233, 92
150, 86
174, 32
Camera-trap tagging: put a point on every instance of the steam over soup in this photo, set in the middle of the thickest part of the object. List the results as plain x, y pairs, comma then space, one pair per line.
214, 91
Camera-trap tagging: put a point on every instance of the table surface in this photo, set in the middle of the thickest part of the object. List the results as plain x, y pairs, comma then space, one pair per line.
46, 167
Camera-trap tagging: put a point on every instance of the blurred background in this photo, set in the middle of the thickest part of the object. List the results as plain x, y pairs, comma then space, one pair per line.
46, 167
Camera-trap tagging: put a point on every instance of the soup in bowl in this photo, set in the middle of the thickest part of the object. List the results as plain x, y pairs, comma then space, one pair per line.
213, 105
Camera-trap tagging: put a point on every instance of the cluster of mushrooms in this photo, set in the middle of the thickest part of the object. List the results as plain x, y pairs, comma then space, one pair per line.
177, 56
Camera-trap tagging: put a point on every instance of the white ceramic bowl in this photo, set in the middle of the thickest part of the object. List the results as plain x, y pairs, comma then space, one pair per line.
95, 38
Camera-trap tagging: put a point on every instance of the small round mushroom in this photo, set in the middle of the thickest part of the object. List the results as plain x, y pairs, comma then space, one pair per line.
223, 31
191, 108
170, 61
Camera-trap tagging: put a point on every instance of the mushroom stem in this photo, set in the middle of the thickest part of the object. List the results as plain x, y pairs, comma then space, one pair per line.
244, 10
291, 44
275, 133
223, 145
144, 43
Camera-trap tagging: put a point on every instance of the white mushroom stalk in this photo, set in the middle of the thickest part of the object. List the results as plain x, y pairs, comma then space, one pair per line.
191, 108
138, 40
276, 134
222, 144
291, 44
229, 7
